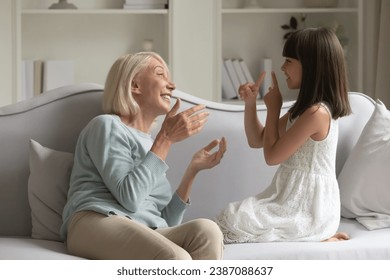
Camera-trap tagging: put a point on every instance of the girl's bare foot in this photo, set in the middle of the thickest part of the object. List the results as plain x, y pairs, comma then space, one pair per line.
339, 236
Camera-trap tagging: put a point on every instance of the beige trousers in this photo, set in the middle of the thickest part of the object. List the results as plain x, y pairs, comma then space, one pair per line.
95, 236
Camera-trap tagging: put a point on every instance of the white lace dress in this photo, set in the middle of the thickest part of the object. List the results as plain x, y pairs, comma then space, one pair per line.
301, 204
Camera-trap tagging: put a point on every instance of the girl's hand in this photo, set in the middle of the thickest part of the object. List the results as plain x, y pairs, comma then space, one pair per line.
203, 159
249, 91
177, 127
273, 98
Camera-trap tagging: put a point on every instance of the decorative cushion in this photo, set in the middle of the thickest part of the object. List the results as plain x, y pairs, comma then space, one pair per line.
365, 178
48, 186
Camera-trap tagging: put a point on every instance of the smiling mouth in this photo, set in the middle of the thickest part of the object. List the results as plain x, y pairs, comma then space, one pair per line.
166, 97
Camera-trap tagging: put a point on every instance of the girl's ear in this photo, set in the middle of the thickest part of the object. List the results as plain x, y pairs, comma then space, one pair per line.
135, 87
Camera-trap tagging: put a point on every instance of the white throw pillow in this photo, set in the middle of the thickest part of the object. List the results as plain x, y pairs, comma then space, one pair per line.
48, 186
365, 178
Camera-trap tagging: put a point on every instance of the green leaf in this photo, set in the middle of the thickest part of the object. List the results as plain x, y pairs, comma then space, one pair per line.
293, 23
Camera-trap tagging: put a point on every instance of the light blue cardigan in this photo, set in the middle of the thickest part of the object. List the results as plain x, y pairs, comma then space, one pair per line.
115, 172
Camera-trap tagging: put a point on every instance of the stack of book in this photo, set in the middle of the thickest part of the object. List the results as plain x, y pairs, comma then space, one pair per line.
39, 76
235, 72
145, 4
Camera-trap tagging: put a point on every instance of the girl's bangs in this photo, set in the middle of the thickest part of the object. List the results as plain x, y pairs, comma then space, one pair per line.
290, 47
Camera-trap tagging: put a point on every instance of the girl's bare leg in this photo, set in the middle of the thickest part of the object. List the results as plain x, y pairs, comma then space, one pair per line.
339, 236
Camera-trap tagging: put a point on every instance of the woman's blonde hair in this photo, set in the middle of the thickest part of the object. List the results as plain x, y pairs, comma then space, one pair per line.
117, 96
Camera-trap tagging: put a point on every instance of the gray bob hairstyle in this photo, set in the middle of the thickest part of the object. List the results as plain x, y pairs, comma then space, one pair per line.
117, 96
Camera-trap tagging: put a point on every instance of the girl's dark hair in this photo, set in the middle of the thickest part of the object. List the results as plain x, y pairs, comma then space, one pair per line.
324, 76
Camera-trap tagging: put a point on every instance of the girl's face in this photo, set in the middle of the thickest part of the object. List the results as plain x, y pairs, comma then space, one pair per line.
292, 68
154, 88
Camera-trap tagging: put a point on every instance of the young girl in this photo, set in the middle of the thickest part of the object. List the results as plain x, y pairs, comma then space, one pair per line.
302, 203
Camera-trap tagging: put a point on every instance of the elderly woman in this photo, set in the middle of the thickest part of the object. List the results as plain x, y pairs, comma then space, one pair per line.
120, 203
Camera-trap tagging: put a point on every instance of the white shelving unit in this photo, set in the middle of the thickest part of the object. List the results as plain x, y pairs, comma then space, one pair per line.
92, 36
193, 36
255, 33
96, 33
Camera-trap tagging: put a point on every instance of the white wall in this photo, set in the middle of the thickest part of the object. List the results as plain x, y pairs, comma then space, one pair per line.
195, 29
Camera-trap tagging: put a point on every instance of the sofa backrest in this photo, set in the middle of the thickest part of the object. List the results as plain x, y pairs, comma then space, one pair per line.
56, 118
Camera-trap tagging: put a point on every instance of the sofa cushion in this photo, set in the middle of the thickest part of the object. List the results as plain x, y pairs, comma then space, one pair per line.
364, 179
363, 245
23, 248
47, 189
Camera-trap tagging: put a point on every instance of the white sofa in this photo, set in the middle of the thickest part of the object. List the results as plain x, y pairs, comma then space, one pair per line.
55, 118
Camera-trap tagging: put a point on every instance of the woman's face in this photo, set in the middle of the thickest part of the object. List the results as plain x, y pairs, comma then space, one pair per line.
292, 68
154, 88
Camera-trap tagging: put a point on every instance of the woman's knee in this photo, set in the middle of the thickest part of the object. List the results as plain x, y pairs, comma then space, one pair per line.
208, 228
209, 238
116, 237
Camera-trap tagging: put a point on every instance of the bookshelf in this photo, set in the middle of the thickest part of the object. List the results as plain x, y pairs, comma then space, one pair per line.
92, 36
96, 33
193, 36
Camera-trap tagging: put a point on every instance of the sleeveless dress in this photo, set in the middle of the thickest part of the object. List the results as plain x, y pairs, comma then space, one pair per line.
302, 203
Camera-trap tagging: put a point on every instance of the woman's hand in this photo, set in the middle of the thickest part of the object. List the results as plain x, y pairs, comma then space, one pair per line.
273, 98
203, 159
249, 91
177, 127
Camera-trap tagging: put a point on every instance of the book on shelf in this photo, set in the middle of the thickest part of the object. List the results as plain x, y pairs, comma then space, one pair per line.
228, 91
38, 72
266, 66
245, 70
239, 72
27, 76
57, 73
31, 78
232, 74
38, 76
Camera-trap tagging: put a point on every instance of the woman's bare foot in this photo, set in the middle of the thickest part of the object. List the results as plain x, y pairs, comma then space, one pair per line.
339, 236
